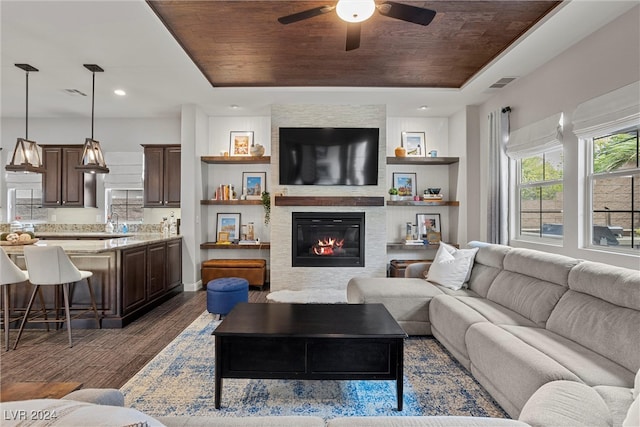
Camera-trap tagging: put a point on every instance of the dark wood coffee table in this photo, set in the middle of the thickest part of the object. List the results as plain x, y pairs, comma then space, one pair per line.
311, 342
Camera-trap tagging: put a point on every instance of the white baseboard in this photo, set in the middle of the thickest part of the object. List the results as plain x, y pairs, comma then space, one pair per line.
193, 287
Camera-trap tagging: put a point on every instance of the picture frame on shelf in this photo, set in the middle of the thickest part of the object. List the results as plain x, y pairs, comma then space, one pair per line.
240, 144
223, 237
428, 223
406, 184
414, 143
433, 237
254, 184
228, 223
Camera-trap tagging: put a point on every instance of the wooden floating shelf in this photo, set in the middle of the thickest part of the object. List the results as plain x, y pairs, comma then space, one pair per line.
235, 160
405, 247
214, 245
422, 203
230, 202
422, 160
328, 201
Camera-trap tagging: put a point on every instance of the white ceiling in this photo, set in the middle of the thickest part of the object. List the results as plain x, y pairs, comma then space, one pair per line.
140, 56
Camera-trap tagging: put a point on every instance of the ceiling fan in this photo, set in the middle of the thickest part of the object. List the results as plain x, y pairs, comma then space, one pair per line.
356, 11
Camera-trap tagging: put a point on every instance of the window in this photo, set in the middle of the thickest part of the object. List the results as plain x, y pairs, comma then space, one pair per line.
540, 190
126, 205
614, 183
28, 205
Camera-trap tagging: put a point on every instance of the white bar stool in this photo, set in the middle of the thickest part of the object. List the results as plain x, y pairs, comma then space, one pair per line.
51, 266
10, 274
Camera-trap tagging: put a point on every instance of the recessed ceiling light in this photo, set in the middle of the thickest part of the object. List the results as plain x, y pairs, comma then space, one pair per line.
423, 107
120, 92
234, 106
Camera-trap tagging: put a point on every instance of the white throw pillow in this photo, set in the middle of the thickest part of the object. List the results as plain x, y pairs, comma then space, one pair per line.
633, 415
451, 267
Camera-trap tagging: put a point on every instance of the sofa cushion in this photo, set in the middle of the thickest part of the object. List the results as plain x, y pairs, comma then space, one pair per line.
566, 403
591, 367
510, 369
407, 300
489, 261
451, 267
409, 421
531, 283
601, 326
623, 284
265, 421
632, 418
69, 413
618, 400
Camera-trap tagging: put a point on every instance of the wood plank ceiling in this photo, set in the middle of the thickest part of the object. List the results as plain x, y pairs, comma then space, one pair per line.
241, 44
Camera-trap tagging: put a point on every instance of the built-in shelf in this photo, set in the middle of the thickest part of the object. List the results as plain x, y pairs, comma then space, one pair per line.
403, 247
328, 201
235, 160
422, 203
214, 245
422, 160
230, 202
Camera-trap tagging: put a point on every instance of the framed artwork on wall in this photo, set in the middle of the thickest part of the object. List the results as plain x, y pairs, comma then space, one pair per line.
428, 223
241, 142
405, 183
254, 184
228, 223
414, 143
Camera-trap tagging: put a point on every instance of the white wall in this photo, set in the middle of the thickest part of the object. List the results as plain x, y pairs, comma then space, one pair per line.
604, 61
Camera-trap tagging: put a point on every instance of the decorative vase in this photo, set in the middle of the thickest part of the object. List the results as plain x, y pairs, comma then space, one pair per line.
257, 150
401, 152
394, 197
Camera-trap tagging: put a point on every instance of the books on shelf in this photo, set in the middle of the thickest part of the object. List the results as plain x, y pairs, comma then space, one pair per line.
414, 242
248, 242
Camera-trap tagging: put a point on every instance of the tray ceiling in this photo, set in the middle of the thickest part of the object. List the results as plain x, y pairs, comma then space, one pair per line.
241, 43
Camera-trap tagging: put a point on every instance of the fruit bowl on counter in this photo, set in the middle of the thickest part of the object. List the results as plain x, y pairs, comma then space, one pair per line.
17, 238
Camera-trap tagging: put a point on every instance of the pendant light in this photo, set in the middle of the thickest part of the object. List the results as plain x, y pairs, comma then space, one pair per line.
26, 157
92, 158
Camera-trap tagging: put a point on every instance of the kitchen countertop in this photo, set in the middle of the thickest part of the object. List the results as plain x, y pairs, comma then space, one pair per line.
87, 246
83, 235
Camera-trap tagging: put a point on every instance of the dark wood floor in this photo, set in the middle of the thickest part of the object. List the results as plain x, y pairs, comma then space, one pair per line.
102, 358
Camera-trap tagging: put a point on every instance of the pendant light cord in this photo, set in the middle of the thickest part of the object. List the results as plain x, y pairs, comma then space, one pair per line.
93, 101
26, 122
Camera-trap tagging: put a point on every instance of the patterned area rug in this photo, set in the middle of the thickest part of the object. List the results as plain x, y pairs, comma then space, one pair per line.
180, 381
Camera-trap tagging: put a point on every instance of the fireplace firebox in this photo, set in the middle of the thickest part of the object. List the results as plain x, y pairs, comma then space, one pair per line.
327, 239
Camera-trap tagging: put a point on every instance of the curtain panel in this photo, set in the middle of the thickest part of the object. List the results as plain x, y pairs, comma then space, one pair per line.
498, 206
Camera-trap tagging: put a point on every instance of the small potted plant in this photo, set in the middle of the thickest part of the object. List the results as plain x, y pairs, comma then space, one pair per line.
266, 204
393, 192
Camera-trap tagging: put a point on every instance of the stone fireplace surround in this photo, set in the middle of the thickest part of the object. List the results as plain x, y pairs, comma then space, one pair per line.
367, 199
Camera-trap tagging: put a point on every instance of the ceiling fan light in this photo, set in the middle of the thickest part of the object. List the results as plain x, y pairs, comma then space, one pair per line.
26, 157
355, 10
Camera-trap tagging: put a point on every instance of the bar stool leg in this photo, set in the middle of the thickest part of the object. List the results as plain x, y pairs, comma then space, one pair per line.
65, 292
44, 307
26, 314
5, 307
93, 303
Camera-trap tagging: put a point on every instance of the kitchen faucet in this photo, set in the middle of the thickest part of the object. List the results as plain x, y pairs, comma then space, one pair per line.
111, 215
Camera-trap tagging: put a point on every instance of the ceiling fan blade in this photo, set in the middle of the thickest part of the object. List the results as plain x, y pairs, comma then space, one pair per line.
305, 14
353, 36
406, 12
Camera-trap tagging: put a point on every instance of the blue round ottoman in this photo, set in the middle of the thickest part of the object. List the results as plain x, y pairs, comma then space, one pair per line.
223, 294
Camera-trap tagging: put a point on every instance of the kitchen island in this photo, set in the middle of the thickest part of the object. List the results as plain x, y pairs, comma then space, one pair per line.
131, 274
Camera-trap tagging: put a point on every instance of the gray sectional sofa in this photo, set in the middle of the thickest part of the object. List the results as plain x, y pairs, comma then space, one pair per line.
550, 337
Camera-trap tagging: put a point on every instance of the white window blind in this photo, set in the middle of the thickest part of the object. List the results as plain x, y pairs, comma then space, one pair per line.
608, 113
125, 170
536, 138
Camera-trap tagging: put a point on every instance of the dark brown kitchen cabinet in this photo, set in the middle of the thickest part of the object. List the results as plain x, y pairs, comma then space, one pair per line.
150, 274
134, 278
162, 176
174, 264
62, 184
156, 270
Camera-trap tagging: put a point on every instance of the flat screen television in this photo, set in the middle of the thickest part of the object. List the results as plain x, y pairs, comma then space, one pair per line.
329, 156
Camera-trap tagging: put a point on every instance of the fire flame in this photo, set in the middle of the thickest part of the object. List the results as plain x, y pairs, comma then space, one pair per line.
327, 246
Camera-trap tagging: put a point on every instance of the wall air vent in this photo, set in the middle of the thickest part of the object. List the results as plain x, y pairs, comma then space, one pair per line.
502, 82
74, 92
